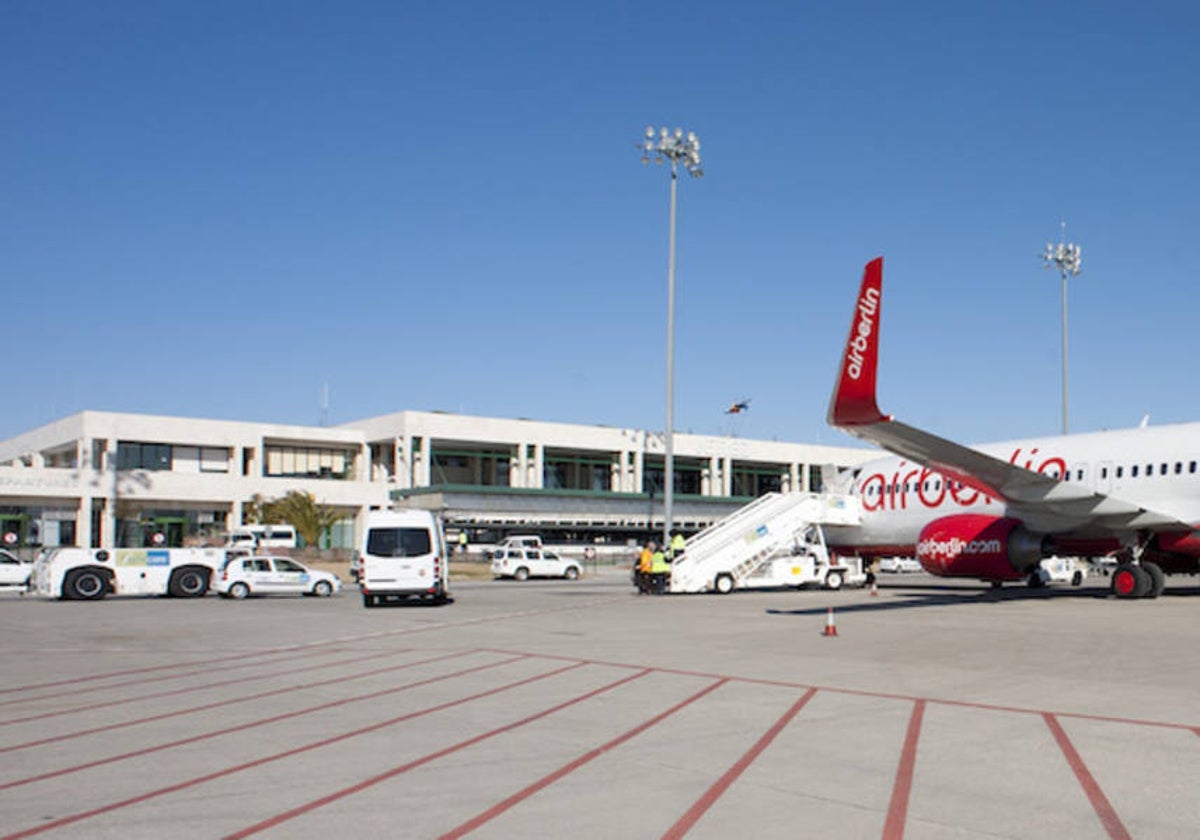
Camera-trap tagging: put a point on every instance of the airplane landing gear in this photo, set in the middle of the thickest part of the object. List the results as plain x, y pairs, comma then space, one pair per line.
1132, 581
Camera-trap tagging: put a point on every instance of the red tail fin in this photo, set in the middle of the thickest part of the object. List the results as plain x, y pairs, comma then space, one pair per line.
853, 401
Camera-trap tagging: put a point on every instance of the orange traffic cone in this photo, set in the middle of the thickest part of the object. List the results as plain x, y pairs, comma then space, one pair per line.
830, 627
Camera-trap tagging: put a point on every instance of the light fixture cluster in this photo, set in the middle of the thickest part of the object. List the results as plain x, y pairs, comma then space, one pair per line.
1067, 257
676, 147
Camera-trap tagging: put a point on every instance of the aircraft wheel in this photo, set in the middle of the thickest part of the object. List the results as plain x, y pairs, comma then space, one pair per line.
1131, 581
1158, 580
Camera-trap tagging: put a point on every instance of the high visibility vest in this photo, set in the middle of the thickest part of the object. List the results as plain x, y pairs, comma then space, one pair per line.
644, 561
678, 544
659, 564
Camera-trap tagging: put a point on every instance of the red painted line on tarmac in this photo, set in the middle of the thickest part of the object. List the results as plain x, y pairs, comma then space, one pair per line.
701, 806
544, 782
258, 762
878, 695
304, 648
150, 670
404, 768
893, 827
175, 692
216, 704
1104, 809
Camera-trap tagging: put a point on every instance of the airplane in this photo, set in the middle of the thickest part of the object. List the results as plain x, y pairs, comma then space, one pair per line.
993, 511
738, 407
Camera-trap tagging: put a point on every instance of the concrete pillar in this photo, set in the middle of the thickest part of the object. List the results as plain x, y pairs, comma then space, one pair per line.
794, 478
424, 462
727, 476
519, 473
639, 471
402, 457
235, 515
83, 522
539, 466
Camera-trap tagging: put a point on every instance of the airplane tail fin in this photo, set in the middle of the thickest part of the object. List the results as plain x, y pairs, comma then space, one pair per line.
853, 401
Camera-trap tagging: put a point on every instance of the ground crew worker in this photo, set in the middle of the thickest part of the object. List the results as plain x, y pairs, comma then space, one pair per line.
462, 542
678, 544
645, 560
660, 570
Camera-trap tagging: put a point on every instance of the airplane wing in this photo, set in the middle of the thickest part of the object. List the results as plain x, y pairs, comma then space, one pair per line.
1042, 501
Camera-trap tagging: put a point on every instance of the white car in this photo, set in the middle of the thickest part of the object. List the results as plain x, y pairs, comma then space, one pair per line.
244, 576
899, 564
14, 572
527, 562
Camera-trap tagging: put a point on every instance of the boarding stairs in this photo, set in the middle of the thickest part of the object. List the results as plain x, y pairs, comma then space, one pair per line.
739, 544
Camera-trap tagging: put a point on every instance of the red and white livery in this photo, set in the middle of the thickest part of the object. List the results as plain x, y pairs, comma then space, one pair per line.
994, 511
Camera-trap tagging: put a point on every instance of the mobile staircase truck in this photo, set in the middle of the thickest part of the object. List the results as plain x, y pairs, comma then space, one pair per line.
776, 540
89, 574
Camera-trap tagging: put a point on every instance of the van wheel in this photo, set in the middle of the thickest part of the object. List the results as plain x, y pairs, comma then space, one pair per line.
572, 573
188, 582
521, 574
239, 590
369, 600
85, 585
323, 589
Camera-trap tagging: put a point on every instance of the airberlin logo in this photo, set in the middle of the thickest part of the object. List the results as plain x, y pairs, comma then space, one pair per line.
868, 306
921, 487
955, 547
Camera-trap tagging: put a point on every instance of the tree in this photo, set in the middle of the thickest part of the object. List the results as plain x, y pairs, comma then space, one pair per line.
299, 509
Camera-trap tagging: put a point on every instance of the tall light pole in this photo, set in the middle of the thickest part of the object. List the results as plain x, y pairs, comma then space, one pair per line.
676, 148
1067, 258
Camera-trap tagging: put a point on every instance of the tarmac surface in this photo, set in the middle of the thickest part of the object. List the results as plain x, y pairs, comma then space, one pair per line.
581, 709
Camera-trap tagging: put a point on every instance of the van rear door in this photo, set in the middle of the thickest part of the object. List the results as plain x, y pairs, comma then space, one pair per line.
399, 558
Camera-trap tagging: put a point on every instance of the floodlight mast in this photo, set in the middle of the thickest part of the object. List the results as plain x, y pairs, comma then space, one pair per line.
1067, 257
677, 148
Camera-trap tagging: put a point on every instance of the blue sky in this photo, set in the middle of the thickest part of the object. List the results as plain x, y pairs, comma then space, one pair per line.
214, 209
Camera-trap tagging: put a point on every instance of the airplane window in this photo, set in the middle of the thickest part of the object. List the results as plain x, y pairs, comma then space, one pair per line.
1133, 471
1067, 476
1149, 470
1178, 467
1079, 475
1104, 472
1119, 471
1192, 467
1162, 470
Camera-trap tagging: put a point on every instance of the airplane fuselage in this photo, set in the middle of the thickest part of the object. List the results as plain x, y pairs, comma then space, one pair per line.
1156, 467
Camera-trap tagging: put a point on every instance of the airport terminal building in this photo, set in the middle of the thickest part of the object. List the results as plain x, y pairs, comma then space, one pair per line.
102, 478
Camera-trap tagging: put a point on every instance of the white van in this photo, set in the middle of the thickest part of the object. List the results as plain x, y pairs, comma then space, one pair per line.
261, 536
403, 554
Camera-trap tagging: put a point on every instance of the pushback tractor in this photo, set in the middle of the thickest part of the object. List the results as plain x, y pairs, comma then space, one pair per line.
89, 574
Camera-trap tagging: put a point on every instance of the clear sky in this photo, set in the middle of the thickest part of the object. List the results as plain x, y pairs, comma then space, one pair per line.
215, 209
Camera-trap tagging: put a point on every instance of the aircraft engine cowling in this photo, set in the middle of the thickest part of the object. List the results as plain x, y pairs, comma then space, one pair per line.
978, 546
